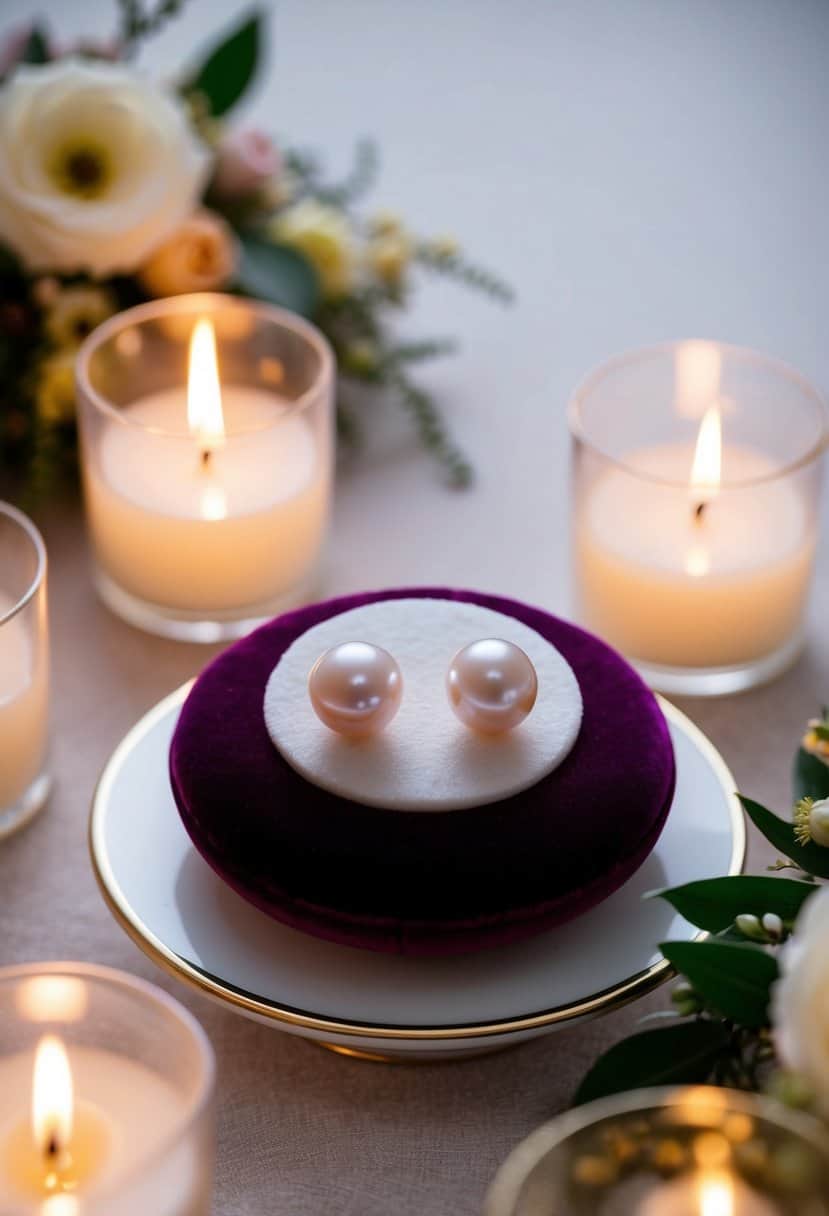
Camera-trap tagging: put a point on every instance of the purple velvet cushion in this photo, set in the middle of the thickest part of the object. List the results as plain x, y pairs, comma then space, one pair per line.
409, 882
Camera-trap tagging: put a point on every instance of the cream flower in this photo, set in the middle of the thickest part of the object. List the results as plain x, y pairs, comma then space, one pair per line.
97, 166
800, 1000
324, 236
75, 311
811, 821
199, 256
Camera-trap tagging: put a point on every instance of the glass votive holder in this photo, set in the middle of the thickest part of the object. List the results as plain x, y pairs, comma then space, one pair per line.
106, 1096
207, 444
24, 671
696, 1151
696, 478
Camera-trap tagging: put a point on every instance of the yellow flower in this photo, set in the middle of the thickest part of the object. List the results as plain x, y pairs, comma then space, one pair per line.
324, 236
386, 223
389, 256
55, 388
75, 312
816, 739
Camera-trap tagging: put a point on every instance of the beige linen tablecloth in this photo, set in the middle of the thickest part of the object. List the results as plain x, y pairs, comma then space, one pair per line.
640, 171
303, 1132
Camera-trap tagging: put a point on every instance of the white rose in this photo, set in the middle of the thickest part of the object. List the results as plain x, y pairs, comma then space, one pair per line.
97, 166
800, 1000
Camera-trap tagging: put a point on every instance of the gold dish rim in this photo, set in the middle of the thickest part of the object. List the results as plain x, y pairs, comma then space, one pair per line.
605, 1000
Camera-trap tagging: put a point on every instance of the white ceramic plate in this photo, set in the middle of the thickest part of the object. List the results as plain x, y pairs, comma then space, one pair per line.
185, 918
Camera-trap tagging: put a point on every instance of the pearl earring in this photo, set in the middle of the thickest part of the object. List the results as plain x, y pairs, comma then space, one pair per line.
355, 688
491, 685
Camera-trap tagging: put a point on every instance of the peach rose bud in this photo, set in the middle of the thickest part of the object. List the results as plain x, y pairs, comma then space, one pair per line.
200, 256
245, 161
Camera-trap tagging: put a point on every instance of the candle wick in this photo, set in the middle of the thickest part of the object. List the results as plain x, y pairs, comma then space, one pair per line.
205, 457
52, 1149
699, 511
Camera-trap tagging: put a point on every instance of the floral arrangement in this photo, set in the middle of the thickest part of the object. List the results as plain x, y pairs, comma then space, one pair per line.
752, 1009
115, 189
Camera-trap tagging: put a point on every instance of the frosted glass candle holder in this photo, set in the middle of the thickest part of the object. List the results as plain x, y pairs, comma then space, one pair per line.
696, 1151
106, 1096
203, 525
24, 671
696, 478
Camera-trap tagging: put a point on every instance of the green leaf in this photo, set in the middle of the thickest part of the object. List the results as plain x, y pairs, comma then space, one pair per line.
715, 903
734, 980
230, 67
673, 1055
811, 776
36, 49
812, 858
278, 274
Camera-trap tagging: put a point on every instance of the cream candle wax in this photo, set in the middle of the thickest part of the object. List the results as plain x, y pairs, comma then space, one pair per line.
24, 697
24, 670
694, 576
696, 474
207, 501
105, 1088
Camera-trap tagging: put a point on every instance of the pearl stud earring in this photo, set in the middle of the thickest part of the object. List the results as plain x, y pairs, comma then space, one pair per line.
492, 685
355, 688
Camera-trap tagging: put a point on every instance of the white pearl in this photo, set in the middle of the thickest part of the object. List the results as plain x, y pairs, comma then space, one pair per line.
355, 688
492, 685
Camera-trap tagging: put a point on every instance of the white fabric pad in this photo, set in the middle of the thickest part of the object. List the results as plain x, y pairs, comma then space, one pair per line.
425, 760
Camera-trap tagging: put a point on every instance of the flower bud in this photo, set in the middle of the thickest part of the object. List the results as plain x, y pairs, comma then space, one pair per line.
245, 161
773, 926
749, 925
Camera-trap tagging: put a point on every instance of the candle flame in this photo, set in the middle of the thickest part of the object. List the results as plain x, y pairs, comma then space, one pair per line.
716, 1196
706, 471
52, 1097
204, 393
60, 1205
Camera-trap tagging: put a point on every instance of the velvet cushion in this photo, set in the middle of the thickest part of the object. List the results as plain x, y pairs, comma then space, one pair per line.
409, 882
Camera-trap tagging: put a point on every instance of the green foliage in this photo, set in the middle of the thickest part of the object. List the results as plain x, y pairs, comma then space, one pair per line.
456, 267
683, 1054
715, 903
37, 47
277, 274
812, 858
432, 430
227, 71
138, 21
418, 352
359, 181
735, 980
810, 777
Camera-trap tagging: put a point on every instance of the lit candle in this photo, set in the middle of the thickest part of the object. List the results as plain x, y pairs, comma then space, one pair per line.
89, 1122
85, 1129
208, 498
700, 574
24, 696
716, 1193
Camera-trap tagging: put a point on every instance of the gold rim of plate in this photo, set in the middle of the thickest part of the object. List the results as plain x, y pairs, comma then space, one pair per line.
214, 986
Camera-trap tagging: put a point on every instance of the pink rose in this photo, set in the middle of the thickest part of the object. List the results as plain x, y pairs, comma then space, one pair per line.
245, 161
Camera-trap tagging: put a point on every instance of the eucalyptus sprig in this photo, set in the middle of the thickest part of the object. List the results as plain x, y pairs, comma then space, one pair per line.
721, 1030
